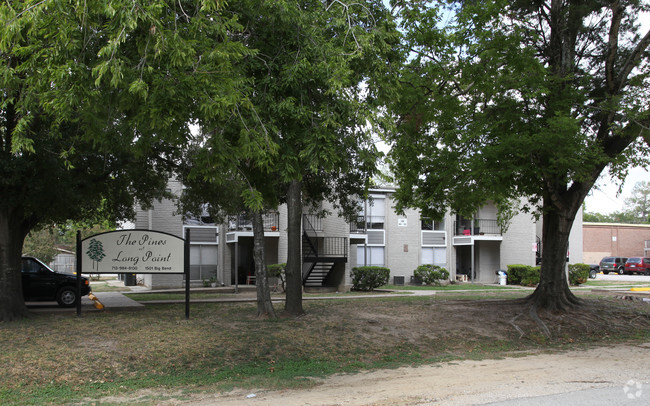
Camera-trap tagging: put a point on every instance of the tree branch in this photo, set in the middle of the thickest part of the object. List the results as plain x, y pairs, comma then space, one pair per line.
612, 45
632, 61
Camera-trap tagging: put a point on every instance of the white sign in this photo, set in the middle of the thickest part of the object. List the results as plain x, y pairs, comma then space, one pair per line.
133, 251
402, 223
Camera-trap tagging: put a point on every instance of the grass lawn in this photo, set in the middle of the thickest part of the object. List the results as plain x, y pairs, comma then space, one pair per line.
597, 283
59, 358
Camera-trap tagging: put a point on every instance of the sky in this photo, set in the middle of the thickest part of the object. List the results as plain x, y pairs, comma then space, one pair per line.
604, 197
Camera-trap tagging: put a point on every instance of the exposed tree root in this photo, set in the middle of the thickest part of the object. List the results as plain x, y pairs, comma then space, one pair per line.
512, 322
532, 311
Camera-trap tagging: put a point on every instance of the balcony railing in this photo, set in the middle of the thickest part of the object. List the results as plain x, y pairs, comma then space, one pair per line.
242, 222
364, 223
313, 222
477, 227
327, 247
314, 247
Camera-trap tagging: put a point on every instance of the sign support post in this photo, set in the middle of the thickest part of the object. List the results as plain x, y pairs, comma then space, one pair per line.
187, 274
78, 273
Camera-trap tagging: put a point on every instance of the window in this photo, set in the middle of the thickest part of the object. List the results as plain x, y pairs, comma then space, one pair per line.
203, 261
375, 256
435, 256
376, 212
428, 224
30, 266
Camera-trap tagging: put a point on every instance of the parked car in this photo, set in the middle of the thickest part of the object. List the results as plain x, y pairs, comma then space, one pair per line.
637, 265
593, 271
40, 283
613, 264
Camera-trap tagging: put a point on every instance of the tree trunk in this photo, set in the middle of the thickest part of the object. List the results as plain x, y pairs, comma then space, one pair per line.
553, 291
12, 236
264, 304
293, 303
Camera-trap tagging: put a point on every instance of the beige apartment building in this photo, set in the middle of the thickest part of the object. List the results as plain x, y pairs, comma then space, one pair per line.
471, 249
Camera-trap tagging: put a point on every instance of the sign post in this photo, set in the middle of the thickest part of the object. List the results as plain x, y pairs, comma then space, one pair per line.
134, 251
78, 273
187, 274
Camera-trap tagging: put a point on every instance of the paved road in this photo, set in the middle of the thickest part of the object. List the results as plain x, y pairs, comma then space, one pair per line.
622, 278
633, 393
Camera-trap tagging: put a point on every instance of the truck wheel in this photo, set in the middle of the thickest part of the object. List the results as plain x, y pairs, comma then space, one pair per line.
592, 274
621, 270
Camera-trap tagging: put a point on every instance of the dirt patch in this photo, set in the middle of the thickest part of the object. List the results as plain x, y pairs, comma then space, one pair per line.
156, 357
468, 382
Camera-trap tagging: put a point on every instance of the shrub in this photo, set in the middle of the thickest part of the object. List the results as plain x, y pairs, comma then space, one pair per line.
515, 272
578, 274
369, 277
277, 271
530, 276
431, 274
524, 275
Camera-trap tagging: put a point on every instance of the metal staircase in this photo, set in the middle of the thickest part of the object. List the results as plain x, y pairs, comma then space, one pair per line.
320, 255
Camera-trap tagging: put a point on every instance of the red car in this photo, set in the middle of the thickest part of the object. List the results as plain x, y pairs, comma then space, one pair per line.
637, 265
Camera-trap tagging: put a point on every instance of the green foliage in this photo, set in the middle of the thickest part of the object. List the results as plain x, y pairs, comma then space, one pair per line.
524, 275
638, 205
41, 244
277, 271
517, 100
315, 80
515, 272
431, 274
635, 211
615, 217
578, 274
96, 104
368, 278
531, 277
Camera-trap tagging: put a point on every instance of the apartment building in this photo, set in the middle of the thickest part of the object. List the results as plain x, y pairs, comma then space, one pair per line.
471, 249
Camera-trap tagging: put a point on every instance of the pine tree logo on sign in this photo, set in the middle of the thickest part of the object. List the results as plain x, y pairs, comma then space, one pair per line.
95, 252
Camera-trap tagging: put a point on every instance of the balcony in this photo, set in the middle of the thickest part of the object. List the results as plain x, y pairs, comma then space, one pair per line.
365, 223
312, 222
477, 227
243, 223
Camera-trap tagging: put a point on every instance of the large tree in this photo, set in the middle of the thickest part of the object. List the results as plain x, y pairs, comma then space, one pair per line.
638, 205
308, 98
96, 99
508, 100
232, 184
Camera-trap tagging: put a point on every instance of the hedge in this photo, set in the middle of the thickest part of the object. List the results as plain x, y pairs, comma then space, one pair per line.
578, 274
524, 275
431, 274
369, 277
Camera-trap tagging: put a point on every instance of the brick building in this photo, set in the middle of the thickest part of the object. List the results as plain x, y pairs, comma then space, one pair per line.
611, 239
